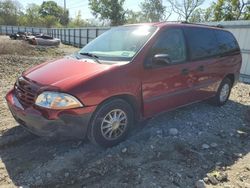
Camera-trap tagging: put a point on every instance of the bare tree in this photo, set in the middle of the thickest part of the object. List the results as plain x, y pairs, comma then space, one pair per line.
185, 8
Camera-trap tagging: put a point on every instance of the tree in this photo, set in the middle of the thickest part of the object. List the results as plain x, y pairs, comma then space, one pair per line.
32, 16
54, 13
64, 18
208, 14
153, 10
78, 21
185, 8
46, 15
50, 8
197, 16
202, 15
134, 17
246, 15
230, 10
223, 10
109, 9
9, 12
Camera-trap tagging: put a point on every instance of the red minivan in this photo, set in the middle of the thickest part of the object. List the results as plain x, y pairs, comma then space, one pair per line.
129, 73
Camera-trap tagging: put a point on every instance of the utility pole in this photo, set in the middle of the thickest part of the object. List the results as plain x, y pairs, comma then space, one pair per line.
64, 6
65, 19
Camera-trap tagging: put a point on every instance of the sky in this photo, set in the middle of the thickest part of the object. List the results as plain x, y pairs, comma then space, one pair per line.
75, 5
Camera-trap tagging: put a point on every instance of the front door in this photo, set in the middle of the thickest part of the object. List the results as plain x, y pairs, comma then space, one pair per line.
167, 86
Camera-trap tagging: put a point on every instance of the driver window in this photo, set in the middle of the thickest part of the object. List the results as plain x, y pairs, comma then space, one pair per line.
171, 42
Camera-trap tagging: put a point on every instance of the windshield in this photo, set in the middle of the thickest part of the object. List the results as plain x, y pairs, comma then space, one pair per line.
120, 43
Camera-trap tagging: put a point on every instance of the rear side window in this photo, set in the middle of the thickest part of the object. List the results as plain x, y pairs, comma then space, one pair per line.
227, 42
202, 42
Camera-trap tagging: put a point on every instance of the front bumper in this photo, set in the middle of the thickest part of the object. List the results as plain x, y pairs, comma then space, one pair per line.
71, 123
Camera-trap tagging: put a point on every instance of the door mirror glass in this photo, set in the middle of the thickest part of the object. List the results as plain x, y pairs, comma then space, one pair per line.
161, 59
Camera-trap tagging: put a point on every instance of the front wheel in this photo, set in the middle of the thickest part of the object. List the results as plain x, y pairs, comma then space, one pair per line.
111, 123
223, 92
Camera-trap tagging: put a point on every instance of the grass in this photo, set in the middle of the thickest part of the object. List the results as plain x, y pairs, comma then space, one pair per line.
22, 48
8, 46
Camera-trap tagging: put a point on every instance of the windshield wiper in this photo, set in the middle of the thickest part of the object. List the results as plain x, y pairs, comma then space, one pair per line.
95, 57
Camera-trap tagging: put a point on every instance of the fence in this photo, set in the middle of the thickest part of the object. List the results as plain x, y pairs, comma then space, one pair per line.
73, 36
81, 36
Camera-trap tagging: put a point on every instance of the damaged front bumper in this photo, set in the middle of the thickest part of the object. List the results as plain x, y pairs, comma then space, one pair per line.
51, 123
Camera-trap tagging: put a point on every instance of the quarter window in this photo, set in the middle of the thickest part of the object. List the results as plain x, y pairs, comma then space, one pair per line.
227, 42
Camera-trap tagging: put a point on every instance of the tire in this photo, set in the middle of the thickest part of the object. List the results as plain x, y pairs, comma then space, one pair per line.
48, 42
219, 99
101, 125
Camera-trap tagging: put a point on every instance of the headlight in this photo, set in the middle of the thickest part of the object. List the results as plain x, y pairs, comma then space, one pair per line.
55, 100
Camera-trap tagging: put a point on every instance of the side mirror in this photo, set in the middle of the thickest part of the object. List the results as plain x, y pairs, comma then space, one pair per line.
161, 59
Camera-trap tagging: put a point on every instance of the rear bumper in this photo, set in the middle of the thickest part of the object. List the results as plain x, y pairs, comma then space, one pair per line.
71, 123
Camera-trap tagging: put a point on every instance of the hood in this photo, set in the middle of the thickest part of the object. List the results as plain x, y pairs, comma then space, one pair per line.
63, 72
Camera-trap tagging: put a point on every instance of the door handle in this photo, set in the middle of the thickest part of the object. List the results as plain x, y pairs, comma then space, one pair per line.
184, 71
200, 68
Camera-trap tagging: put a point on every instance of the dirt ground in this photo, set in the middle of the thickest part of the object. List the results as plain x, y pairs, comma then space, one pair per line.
198, 145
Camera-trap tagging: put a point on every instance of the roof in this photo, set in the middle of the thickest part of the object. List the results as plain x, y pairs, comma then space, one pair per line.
177, 23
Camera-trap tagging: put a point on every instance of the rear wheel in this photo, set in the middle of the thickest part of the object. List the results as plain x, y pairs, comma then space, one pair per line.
223, 92
111, 123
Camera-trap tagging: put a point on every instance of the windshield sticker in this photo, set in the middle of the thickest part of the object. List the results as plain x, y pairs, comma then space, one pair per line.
125, 54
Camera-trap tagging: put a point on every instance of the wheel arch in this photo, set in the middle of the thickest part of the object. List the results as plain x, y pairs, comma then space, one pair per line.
231, 77
130, 99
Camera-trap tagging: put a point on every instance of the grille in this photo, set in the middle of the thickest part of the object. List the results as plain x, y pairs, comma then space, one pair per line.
25, 92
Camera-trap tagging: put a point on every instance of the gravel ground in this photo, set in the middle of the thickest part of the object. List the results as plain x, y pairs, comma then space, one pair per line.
198, 145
